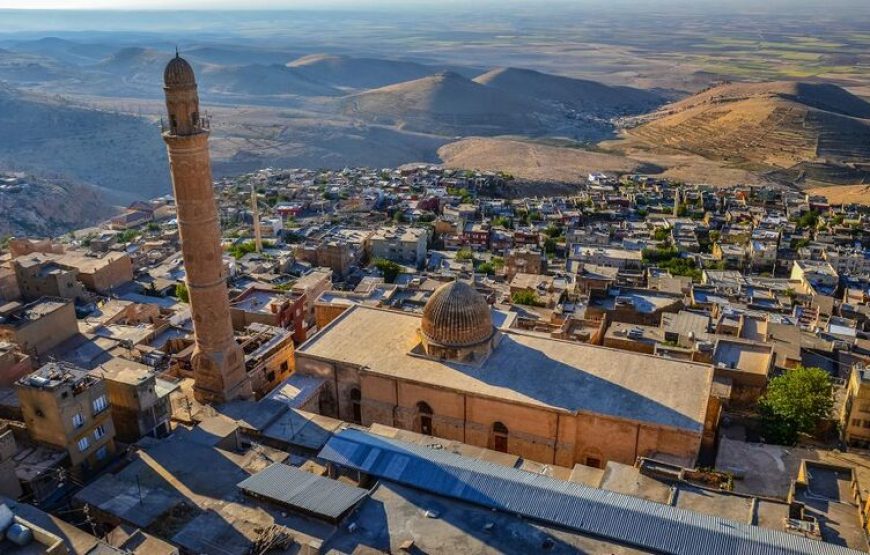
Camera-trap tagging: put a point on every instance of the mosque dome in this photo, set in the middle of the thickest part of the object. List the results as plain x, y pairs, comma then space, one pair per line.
178, 73
456, 316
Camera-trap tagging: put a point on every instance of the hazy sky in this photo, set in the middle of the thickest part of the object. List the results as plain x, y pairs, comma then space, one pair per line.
191, 4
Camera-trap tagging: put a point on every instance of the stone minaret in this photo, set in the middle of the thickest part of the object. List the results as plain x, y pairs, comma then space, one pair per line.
218, 361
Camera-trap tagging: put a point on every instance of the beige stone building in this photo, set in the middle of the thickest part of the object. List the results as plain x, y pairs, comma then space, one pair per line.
101, 274
39, 275
402, 244
13, 363
139, 400
524, 260
461, 372
67, 275
39, 326
855, 414
311, 286
9, 484
68, 408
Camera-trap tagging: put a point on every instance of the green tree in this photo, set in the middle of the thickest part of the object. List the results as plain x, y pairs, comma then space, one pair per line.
526, 297
464, 254
501, 221
181, 293
390, 269
553, 231
795, 403
660, 234
797, 244
550, 245
241, 249
498, 262
486, 268
808, 220
127, 236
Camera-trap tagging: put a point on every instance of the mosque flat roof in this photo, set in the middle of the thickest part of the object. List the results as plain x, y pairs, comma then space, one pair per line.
533, 370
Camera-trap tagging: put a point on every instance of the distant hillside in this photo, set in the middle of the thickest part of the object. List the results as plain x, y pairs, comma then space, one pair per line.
261, 80
24, 68
535, 162
358, 73
67, 51
447, 104
823, 96
121, 154
236, 55
139, 65
579, 94
801, 131
50, 207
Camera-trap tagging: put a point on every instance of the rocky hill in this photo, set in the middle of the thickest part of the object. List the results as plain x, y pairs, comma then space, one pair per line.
358, 73
797, 131
47, 207
579, 94
48, 136
448, 104
257, 79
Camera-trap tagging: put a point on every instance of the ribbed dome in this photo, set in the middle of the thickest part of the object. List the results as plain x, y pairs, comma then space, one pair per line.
178, 73
457, 316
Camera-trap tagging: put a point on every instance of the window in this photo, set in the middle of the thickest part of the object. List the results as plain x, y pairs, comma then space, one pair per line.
856, 422
425, 412
102, 452
78, 420
100, 404
284, 366
500, 437
867, 423
83, 444
99, 432
593, 462
356, 405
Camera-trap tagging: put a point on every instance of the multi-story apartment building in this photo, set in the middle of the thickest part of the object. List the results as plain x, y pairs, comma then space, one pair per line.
139, 400
68, 408
406, 245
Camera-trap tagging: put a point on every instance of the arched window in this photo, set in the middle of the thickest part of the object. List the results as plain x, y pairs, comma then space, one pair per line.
425, 416
499, 437
356, 405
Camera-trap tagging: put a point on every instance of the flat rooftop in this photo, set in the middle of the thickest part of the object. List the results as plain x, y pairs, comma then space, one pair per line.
523, 369
259, 301
747, 357
33, 311
396, 514
54, 374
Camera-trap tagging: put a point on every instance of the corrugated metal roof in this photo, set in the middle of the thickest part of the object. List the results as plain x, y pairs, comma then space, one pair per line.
301, 490
618, 517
